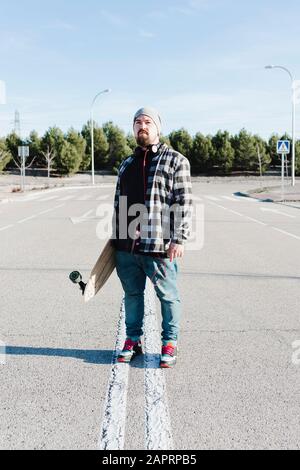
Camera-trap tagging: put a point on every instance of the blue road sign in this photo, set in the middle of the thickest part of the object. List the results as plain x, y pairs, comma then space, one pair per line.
283, 146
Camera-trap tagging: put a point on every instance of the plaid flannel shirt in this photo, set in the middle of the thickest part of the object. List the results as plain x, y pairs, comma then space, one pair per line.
169, 183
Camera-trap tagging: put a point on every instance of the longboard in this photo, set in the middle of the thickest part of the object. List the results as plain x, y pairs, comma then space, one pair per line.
103, 268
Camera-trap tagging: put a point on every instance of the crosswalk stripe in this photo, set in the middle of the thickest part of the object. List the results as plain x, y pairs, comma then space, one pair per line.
66, 198
230, 198
48, 198
212, 198
5, 228
85, 197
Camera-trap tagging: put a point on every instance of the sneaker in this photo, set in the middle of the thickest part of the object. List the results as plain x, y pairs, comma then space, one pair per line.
130, 349
168, 354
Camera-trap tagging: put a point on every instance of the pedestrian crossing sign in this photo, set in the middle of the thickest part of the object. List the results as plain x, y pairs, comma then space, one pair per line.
283, 146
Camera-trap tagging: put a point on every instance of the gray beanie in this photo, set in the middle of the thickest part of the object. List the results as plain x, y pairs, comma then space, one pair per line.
152, 113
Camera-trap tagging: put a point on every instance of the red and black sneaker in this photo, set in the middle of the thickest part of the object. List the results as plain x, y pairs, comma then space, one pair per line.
130, 349
168, 354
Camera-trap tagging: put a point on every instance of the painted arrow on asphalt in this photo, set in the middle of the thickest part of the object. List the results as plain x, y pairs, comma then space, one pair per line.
83, 218
266, 209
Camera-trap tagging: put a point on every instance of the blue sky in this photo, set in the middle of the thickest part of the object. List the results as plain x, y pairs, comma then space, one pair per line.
199, 62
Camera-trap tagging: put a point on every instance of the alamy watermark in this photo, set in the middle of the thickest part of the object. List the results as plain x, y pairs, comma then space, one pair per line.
161, 222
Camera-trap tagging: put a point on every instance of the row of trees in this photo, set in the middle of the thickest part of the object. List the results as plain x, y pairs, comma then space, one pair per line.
71, 152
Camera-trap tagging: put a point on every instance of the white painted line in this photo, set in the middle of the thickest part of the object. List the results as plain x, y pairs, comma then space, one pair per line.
6, 227
44, 192
112, 434
31, 197
247, 217
52, 209
35, 195
158, 434
67, 198
239, 214
39, 213
254, 220
87, 186
275, 211
286, 233
211, 198
230, 198
86, 214
83, 218
85, 197
234, 212
48, 198
106, 185
27, 218
101, 198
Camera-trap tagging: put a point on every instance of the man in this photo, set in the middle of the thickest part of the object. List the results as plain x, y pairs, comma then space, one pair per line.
150, 182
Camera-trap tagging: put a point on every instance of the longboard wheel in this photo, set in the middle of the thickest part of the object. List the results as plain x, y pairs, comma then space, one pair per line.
75, 277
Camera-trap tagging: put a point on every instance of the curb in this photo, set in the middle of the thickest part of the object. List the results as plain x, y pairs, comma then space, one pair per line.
241, 194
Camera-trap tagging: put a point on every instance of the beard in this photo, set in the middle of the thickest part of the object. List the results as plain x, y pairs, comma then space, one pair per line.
143, 139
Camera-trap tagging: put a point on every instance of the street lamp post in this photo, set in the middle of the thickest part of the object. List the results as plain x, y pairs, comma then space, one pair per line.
108, 90
293, 115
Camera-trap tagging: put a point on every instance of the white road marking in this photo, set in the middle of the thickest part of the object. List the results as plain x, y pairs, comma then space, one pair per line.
231, 198
5, 228
256, 221
239, 214
158, 433
66, 198
48, 198
39, 213
31, 217
101, 198
267, 209
211, 198
34, 195
85, 197
112, 434
157, 417
27, 218
31, 197
52, 209
286, 233
83, 218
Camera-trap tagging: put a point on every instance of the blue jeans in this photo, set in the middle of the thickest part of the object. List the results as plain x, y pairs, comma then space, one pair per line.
133, 270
